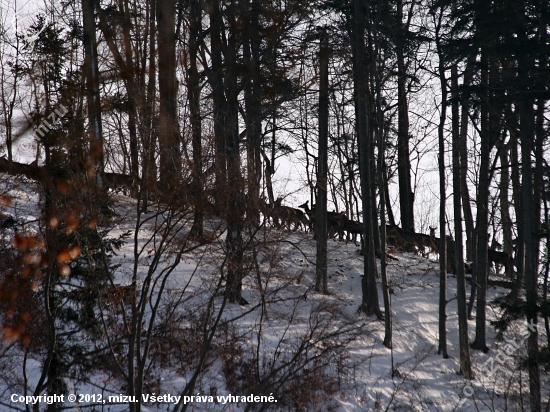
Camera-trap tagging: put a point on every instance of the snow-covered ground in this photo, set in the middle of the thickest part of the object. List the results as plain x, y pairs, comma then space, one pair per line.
318, 350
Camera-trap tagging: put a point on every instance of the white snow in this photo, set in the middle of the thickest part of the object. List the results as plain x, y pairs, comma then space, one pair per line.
361, 369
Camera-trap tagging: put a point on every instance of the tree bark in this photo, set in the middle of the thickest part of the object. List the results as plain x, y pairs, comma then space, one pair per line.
149, 171
504, 199
482, 202
168, 131
253, 101
381, 189
442, 350
518, 207
463, 151
322, 170
91, 70
527, 119
370, 304
194, 91
465, 361
218, 98
406, 198
132, 97
235, 206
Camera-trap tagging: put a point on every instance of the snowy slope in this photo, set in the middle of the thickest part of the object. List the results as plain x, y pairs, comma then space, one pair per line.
357, 365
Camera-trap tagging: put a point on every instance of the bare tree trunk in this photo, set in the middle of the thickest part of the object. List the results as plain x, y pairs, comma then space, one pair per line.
194, 91
530, 243
91, 70
465, 361
531, 270
322, 170
442, 350
482, 266
406, 196
381, 188
371, 143
505, 205
370, 304
252, 93
463, 151
518, 207
169, 138
149, 142
235, 207
132, 97
218, 99
546, 264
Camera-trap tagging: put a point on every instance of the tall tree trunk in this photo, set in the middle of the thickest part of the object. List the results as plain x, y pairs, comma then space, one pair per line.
504, 199
527, 119
235, 207
482, 267
381, 188
132, 95
218, 99
91, 70
530, 247
463, 151
322, 170
538, 182
373, 134
369, 304
406, 196
442, 350
465, 362
518, 207
194, 92
252, 94
169, 138
149, 140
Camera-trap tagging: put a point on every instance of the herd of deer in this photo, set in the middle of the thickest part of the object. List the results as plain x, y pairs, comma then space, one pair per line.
281, 216
338, 225
290, 218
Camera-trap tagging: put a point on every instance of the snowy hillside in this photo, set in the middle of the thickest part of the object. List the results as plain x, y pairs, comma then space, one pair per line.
292, 348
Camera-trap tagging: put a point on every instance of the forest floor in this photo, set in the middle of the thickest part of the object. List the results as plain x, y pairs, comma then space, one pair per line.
344, 366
